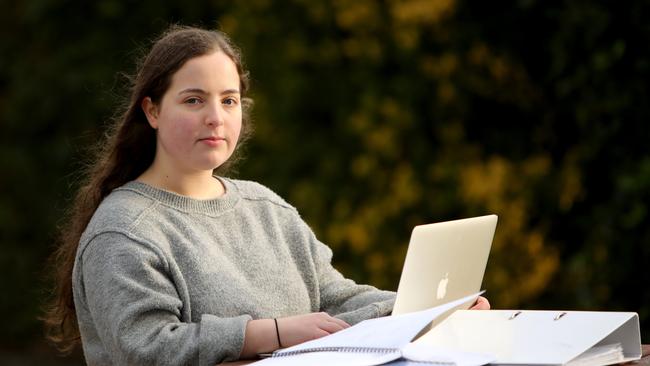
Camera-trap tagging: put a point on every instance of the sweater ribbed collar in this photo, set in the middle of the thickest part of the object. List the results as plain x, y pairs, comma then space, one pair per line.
213, 206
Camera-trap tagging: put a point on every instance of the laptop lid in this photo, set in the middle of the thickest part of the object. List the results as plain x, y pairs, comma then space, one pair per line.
444, 262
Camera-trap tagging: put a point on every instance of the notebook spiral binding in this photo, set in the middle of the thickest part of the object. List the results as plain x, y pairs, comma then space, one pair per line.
376, 350
338, 349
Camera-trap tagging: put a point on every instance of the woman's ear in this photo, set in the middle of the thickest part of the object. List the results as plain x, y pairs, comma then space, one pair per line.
150, 111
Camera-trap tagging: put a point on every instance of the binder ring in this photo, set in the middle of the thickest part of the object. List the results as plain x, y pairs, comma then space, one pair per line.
514, 315
560, 315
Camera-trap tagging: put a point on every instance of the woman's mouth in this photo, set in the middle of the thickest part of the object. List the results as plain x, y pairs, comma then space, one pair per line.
213, 140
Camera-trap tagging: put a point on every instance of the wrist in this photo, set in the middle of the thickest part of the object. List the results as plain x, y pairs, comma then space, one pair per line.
260, 337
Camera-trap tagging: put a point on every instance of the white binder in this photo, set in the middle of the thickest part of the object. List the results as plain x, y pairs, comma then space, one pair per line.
536, 337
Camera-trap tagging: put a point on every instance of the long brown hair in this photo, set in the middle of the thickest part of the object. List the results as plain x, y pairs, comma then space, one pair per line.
128, 151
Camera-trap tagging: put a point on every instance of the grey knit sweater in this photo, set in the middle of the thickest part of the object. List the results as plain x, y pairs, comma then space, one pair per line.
163, 279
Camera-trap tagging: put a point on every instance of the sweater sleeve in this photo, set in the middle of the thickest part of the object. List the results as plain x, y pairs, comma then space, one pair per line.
136, 311
342, 297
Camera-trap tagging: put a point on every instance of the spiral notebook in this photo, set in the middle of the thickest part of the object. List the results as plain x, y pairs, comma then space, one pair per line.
376, 342
411, 353
367, 356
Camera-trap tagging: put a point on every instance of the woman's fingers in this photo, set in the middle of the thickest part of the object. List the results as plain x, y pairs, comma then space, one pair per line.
481, 304
330, 323
340, 322
330, 326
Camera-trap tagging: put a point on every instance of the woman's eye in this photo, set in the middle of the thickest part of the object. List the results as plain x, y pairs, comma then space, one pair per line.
230, 101
193, 101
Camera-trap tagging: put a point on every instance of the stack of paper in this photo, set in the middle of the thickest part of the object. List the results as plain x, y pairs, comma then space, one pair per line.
600, 355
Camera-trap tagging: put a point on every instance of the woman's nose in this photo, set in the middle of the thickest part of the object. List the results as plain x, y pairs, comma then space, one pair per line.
215, 115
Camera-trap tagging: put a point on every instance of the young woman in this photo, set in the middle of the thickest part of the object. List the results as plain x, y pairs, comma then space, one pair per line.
165, 261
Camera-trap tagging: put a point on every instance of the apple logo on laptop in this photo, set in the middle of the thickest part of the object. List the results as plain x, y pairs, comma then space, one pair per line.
442, 287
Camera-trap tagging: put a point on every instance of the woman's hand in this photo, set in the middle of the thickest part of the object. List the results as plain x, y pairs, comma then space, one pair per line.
481, 304
261, 335
301, 328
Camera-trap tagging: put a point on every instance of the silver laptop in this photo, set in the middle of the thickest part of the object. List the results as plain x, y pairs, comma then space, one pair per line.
444, 262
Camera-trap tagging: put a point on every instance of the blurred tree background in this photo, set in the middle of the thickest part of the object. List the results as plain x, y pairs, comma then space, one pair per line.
371, 116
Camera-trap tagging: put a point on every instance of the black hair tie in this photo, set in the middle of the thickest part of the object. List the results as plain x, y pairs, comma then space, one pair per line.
277, 332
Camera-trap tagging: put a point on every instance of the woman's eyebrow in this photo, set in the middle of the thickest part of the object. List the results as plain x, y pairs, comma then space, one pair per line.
230, 91
192, 91
201, 91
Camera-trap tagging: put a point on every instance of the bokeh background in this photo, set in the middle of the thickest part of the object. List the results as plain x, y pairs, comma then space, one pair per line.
371, 116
